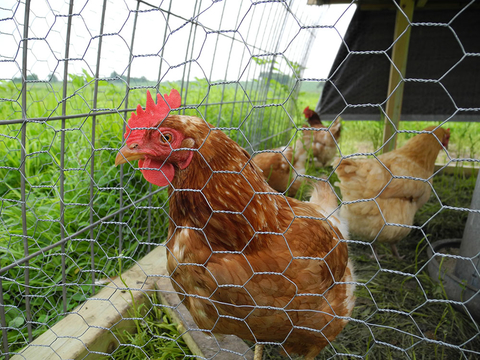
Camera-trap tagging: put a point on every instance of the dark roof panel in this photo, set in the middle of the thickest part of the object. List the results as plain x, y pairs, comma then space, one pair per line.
443, 69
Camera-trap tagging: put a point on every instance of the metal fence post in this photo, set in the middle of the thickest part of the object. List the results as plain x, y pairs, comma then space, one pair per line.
92, 159
62, 154
22, 166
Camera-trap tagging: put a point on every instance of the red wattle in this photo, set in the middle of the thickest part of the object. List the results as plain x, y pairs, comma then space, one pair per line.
161, 177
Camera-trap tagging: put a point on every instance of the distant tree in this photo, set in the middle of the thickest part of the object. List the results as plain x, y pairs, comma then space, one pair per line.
281, 78
29, 77
53, 78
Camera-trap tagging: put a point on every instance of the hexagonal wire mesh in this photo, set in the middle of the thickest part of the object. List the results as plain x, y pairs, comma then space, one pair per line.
70, 219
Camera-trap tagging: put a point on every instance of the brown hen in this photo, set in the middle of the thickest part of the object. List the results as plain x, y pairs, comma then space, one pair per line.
245, 260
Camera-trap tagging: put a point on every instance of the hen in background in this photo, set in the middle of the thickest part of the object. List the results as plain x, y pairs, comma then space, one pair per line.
283, 168
245, 260
323, 143
393, 198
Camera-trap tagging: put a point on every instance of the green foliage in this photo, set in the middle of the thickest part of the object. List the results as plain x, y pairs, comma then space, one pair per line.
157, 335
157, 338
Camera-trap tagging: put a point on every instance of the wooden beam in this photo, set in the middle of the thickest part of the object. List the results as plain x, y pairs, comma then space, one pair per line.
457, 169
421, 3
398, 69
96, 324
375, 5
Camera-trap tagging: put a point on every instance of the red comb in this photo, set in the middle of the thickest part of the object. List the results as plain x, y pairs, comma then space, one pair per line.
307, 112
152, 115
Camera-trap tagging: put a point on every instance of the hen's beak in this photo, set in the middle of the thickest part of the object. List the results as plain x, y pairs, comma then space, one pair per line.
126, 154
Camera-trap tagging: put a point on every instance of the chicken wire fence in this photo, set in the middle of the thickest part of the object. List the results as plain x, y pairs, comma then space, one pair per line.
72, 72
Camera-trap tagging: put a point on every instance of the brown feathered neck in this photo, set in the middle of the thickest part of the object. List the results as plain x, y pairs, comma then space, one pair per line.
312, 117
424, 148
222, 191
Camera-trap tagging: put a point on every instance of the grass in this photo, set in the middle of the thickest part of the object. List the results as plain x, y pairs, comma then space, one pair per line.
43, 225
381, 330
156, 336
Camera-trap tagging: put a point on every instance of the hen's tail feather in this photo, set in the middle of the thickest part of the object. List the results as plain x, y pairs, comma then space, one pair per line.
325, 198
345, 167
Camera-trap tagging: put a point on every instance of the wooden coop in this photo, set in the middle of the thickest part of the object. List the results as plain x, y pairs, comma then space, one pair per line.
84, 244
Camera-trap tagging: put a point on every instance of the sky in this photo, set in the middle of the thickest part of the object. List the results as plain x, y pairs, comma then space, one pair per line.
165, 47
327, 41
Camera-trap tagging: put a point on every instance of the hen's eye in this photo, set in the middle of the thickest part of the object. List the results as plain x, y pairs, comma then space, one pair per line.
166, 138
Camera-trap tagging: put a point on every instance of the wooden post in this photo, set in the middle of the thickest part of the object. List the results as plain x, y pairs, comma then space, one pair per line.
397, 71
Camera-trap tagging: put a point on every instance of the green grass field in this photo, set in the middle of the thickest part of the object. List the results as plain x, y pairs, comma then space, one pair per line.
90, 196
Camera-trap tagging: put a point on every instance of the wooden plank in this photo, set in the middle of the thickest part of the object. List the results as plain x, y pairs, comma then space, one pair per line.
460, 170
397, 72
94, 325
